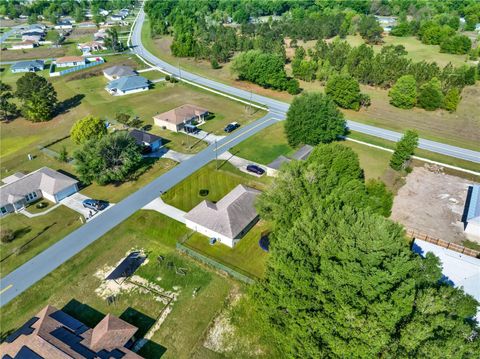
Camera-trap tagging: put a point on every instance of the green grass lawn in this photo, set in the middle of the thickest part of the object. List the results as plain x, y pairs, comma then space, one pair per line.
88, 97
265, 146
33, 235
458, 129
73, 286
185, 195
246, 257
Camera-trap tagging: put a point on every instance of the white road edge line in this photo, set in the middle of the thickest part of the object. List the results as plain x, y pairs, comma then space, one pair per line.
266, 108
416, 157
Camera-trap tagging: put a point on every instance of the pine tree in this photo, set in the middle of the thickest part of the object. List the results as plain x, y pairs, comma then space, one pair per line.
404, 149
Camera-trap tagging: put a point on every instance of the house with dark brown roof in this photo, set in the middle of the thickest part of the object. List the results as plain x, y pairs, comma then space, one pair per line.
53, 334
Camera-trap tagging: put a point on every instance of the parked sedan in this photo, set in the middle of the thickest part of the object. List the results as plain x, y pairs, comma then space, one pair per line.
231, 127
255, 169
95, 204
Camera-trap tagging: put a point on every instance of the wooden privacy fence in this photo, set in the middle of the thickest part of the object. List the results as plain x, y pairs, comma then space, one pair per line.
415, 234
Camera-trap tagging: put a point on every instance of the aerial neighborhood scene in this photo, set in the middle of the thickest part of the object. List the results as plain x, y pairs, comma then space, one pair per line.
239, 179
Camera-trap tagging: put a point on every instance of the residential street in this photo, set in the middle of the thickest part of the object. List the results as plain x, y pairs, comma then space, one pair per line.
32, 271
38, 267
280, 108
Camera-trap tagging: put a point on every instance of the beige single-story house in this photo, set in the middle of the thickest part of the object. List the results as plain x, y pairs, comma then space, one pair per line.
69, 61
21, 189
91, 46
229, 219
176, 119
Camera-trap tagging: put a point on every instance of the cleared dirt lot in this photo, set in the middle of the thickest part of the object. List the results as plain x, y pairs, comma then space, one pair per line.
432, 202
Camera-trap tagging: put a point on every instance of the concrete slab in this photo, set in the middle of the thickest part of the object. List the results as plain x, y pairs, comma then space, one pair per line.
158, 205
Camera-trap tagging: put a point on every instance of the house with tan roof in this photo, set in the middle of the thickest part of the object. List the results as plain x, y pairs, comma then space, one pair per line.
176, 119
69, 61
229, 219
53, 334
21, 189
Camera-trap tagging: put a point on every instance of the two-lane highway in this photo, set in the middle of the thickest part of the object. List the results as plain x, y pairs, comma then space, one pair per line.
278, 107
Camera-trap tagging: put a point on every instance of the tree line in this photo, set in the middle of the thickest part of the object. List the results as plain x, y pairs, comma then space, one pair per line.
51, 10
383, 69
342, 280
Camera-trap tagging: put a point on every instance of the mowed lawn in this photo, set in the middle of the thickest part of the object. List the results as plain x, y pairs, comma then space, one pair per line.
73, 286
246, 257
34, 235
218, 182
372, 160
82, 94
461, 128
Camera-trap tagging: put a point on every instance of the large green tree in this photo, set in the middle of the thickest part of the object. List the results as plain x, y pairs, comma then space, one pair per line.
313, 118
344, 90
113, 158
7, 108
404, 93
39, 98
341, 280
404, 149
88, 128
370, 30
430, 96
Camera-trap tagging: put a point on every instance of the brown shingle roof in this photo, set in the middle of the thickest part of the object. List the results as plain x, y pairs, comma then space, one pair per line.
181, 113
53, 334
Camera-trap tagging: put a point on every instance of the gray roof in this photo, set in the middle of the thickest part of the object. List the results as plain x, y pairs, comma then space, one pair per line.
302, 153
230, 215
120, 71
278, 162
44, 179
31, 64
128, 83
144, 137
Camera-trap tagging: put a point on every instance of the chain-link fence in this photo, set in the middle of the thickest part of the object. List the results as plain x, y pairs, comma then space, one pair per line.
213, 263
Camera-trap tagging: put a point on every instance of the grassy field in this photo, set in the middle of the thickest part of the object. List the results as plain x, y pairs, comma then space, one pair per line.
33, 235
461, 128
83, 95
266, 146
72, 286
246, 257
185, 195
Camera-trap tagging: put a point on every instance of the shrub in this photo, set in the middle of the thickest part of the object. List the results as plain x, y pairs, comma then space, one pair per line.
451, 100
6, 235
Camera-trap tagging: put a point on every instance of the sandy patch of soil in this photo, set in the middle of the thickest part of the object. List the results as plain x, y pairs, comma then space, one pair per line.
432, 202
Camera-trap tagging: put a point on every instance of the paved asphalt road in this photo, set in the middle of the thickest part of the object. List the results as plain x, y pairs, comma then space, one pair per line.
280, 108
38, 267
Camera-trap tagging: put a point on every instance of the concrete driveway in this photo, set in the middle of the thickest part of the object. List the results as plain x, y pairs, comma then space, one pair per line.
75, 202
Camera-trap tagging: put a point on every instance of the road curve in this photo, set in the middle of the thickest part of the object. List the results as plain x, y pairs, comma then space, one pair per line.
280, 108
38, 267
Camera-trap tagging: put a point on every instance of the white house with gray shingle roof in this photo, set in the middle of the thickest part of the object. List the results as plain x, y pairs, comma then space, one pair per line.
229, 219
20, 189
